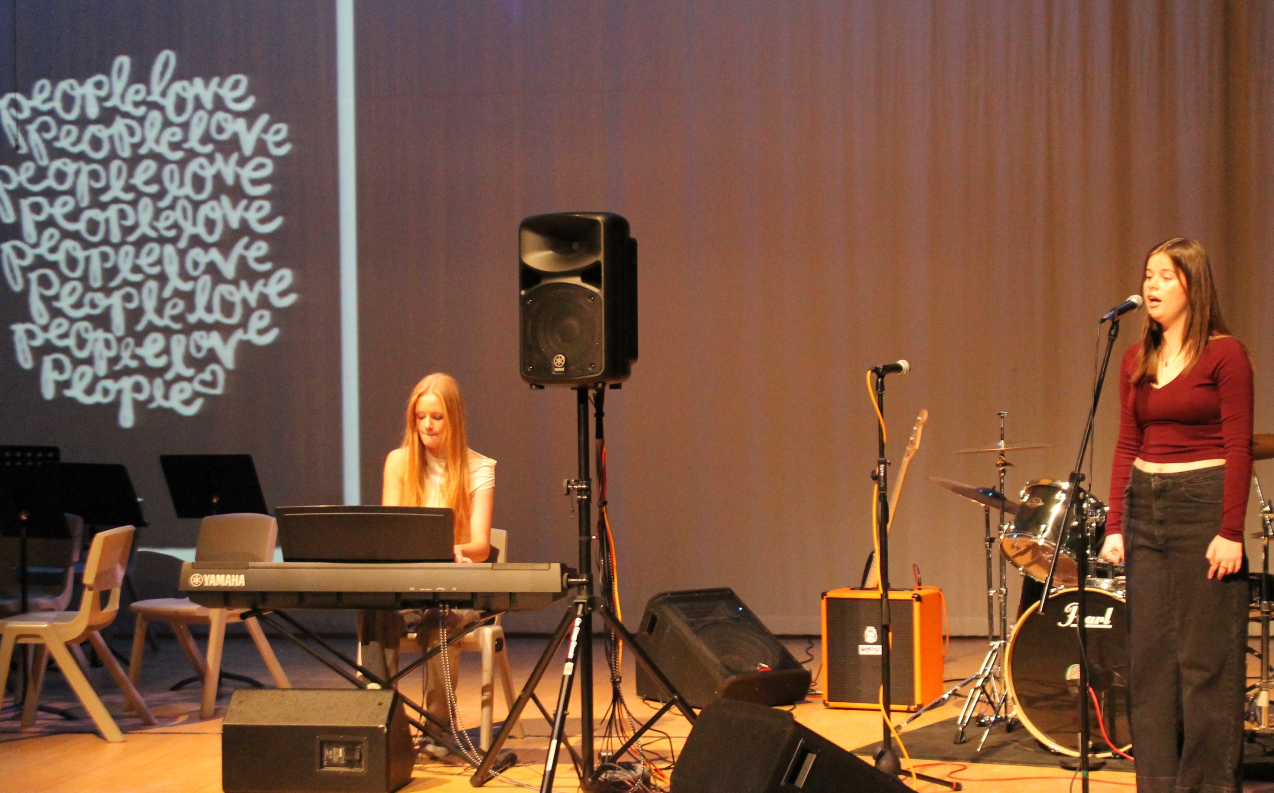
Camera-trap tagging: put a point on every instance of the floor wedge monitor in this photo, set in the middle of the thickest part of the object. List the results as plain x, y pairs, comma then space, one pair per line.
300, 740
740, 747
711, 646
577, 275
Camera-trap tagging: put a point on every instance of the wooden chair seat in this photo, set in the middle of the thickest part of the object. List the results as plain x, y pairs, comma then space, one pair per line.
163, 608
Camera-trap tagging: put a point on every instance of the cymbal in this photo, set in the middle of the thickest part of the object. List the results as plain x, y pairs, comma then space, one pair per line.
1007, 447
1263, 446
982, 495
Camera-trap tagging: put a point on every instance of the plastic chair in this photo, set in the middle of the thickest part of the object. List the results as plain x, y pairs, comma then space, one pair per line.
240, 537
488, 640
43, 554
56, 632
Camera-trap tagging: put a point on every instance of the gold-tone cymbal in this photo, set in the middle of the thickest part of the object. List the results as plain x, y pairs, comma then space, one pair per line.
1007, 447
982, 495
1263, 446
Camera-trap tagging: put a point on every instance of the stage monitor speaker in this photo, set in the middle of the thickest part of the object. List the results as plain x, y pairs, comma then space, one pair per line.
578, 301
739, 747
852, 647
299, 740
709, 645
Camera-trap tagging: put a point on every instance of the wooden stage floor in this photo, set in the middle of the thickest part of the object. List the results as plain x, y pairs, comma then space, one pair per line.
183, 754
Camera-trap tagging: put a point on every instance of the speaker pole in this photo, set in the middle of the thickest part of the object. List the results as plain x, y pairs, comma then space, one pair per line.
584, 497
887, 759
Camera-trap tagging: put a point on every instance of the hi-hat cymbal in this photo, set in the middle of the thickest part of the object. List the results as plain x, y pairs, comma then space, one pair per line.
1006, 447
1263, 446
982, 495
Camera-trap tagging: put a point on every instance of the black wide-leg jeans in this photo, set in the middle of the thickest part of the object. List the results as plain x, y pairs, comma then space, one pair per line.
1187, 636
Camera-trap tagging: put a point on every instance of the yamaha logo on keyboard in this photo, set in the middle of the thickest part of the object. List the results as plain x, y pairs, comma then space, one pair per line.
218, 579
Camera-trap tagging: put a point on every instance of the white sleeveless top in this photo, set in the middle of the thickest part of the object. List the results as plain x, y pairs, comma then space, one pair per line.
481, 477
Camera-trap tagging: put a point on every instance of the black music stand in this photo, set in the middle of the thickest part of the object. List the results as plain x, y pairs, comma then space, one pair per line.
30, 508
213, 484
101, 494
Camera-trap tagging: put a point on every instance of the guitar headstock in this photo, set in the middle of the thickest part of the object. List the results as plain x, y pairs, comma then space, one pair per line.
913, 443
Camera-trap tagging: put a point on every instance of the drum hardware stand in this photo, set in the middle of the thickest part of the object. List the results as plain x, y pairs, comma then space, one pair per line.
989, 685
887, 759
1085, 764
578, 624
1259, 703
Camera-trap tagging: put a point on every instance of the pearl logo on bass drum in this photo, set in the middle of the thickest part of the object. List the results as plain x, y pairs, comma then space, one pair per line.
1090, 621
216, 580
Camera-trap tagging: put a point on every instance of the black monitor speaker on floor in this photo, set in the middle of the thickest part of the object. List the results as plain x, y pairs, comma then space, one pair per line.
299, 740
577, 275
710, 645
740, 747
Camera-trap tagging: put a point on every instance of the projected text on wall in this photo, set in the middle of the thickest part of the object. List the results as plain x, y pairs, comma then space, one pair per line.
140, 221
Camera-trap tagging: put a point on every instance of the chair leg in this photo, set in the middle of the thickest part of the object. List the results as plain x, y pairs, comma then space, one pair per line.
34, 685
486, 640
77, 653
188, 647
131, 696
139, 647
267, 653
84, 689
7, 642
212, 673
506, 680
135, 657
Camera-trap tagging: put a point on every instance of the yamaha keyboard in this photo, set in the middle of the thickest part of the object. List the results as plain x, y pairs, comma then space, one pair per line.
374, 585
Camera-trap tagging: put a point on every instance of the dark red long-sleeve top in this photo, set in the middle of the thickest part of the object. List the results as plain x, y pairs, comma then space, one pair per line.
1202, 414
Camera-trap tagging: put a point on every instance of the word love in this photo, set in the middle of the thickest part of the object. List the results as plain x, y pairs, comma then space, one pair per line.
142, 219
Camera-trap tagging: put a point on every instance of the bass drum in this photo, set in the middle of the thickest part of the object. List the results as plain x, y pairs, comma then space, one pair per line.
1042, 667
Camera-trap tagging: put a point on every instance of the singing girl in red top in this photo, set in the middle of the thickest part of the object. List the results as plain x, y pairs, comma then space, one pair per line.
1178, 493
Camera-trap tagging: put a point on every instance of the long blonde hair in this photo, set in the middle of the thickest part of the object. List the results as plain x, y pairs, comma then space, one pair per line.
1203, 309
455, 447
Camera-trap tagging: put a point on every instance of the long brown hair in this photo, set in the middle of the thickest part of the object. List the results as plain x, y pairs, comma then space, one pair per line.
1203, 310
455, 447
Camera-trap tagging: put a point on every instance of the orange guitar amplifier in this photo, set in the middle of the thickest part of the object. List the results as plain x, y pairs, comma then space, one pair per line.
852, 648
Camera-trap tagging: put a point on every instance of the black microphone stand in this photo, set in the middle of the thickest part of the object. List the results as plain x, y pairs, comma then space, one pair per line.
887, 759
1081, 562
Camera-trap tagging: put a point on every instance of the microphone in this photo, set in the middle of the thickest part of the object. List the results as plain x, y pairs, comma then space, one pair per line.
1133, 303
901, 367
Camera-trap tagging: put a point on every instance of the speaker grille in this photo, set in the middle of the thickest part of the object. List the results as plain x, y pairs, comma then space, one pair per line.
562, 331
854, 675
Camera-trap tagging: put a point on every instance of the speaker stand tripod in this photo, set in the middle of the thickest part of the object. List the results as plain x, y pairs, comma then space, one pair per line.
578, 624
887, 759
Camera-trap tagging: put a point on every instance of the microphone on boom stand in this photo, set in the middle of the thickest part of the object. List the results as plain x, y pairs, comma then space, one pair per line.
1084, 765
1133, 303
899, 367
887, 758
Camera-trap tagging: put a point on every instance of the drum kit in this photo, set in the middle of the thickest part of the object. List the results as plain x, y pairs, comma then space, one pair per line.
1030, 674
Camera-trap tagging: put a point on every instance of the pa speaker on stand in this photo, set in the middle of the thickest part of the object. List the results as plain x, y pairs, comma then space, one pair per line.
578, 299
